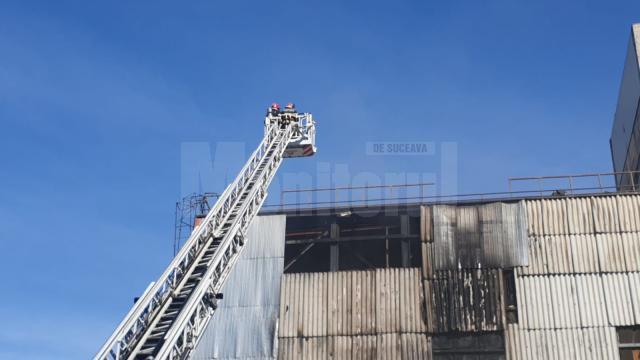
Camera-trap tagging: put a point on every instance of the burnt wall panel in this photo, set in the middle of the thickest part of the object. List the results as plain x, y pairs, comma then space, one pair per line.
465, 300
480, 236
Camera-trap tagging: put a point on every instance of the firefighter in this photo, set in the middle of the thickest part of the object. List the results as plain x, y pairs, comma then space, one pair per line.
274, 110
273, 114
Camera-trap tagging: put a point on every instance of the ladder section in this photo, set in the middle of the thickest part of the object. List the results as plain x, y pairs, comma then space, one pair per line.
156, 339
197, 272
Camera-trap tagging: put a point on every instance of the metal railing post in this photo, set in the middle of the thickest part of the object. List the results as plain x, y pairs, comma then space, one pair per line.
571, 185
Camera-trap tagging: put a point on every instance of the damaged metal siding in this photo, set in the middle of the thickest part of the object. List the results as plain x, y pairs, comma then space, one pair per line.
465, 300
484, 236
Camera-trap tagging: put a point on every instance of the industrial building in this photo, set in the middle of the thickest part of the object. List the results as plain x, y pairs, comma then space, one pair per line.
538, 277
625, 135
552, 273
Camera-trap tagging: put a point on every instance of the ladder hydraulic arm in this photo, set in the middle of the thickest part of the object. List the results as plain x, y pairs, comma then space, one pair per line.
167, 321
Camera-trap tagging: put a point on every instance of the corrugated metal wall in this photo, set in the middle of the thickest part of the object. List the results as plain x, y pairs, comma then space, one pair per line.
582, 280
465, 300
384, 347
483, 236
576, 271
470, 243
244, 326
351, 313
584, 344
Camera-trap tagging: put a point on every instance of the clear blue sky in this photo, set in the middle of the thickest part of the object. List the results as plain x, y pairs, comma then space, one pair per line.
97, 98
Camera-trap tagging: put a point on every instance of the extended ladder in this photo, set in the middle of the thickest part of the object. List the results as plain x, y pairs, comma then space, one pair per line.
167, 321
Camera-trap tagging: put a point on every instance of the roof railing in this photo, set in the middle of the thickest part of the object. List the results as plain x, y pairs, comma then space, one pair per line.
534, 187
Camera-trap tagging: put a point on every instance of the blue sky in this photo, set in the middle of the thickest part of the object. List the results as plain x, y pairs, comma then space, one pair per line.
98, 99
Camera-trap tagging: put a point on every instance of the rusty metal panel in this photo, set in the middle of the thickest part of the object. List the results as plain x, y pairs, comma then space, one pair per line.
465, 300
582, 343
471, 237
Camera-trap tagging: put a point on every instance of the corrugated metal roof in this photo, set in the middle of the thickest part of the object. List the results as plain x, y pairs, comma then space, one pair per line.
351, 303
584, 344
244, 325
383, 347
490, 235
465, 300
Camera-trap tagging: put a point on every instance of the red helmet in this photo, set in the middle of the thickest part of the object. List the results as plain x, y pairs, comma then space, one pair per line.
290, 106
275, 106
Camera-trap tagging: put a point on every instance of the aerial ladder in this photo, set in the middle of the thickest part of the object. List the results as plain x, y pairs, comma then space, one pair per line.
167, 320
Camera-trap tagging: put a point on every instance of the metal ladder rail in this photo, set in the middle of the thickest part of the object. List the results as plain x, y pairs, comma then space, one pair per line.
192, 320
153, 339
129, 331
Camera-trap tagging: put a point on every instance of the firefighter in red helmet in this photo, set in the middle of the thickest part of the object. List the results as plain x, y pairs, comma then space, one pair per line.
274, 110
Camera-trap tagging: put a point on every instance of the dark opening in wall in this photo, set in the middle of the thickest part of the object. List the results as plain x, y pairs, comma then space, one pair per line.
629, 342
511, 300
337, 242
469, 346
